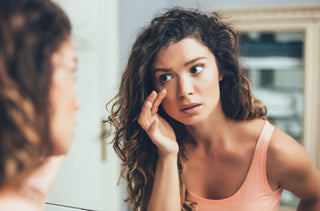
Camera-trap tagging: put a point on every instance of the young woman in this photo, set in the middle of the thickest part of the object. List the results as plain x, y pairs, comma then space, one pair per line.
37, 99
189, 132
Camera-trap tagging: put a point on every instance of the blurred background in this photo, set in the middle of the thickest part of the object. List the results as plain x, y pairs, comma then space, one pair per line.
280, 51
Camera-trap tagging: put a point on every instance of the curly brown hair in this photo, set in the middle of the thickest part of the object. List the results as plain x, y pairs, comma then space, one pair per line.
30, 32
132, 144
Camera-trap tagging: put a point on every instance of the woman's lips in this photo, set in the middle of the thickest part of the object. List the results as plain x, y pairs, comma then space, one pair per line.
190, 108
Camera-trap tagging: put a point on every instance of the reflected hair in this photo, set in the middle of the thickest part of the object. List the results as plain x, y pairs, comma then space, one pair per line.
30, 32
132, 144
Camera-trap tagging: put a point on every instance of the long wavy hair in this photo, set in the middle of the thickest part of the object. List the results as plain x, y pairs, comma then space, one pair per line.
131, 143
30, 32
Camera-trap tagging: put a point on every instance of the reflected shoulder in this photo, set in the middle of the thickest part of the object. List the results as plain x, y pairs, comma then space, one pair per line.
286, 158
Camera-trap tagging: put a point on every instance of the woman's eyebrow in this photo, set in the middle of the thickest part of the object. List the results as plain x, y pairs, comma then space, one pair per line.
161, 70
185, 64
194, 60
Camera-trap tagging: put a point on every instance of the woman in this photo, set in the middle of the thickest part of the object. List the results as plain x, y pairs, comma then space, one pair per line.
190, 133
37, 99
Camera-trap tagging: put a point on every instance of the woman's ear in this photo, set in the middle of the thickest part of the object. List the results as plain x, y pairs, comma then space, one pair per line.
220, 76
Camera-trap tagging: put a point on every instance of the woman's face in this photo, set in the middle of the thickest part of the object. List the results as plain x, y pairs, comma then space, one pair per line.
188, 71
63, 99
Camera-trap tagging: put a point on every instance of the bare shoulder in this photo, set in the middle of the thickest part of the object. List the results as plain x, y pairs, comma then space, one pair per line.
250, 129
287, 160
18, 204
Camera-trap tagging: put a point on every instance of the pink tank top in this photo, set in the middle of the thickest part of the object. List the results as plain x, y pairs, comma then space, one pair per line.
255, 192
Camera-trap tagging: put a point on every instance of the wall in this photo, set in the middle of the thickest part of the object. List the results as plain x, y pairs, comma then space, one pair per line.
133, 15
212, 4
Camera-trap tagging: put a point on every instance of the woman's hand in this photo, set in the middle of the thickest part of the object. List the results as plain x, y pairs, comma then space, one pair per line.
158, 129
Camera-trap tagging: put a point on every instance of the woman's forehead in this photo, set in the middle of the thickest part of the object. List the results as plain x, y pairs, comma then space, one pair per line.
184, 50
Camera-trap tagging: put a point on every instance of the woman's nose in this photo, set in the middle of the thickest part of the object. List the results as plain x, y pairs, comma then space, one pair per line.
185, 88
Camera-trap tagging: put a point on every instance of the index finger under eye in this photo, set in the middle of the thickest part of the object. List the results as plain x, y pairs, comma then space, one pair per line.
161, 95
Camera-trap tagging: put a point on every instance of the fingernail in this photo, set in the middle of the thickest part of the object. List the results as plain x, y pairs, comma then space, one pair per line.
162, 91
153, 93
147, 104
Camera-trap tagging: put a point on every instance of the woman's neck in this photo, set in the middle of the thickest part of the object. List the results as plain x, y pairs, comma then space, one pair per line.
214, 130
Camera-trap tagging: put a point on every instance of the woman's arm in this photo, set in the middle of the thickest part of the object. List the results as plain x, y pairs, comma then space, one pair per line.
165, 191
291, 166
310, 199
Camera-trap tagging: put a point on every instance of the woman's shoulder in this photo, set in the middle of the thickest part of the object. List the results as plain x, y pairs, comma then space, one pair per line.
250, 129
286, 157
16, 203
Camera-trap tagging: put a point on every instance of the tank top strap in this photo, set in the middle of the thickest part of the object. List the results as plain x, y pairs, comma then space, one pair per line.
260, 157
263, 142
264, 138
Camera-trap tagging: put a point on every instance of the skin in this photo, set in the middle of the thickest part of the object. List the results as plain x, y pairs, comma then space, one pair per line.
64, 103
192, 78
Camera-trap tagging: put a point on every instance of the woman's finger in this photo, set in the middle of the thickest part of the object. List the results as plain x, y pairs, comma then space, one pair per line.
145, 114
147, 105
152, 97
152, 128
161, 95
145, 117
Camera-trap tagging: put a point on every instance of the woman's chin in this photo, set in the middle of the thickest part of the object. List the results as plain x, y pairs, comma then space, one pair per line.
62, 147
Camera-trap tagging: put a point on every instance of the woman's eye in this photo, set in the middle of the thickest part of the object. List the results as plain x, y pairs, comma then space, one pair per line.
196, 69
165, 77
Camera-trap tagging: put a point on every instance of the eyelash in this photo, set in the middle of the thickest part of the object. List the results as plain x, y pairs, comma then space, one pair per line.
164, 75
196, 66
169, 75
